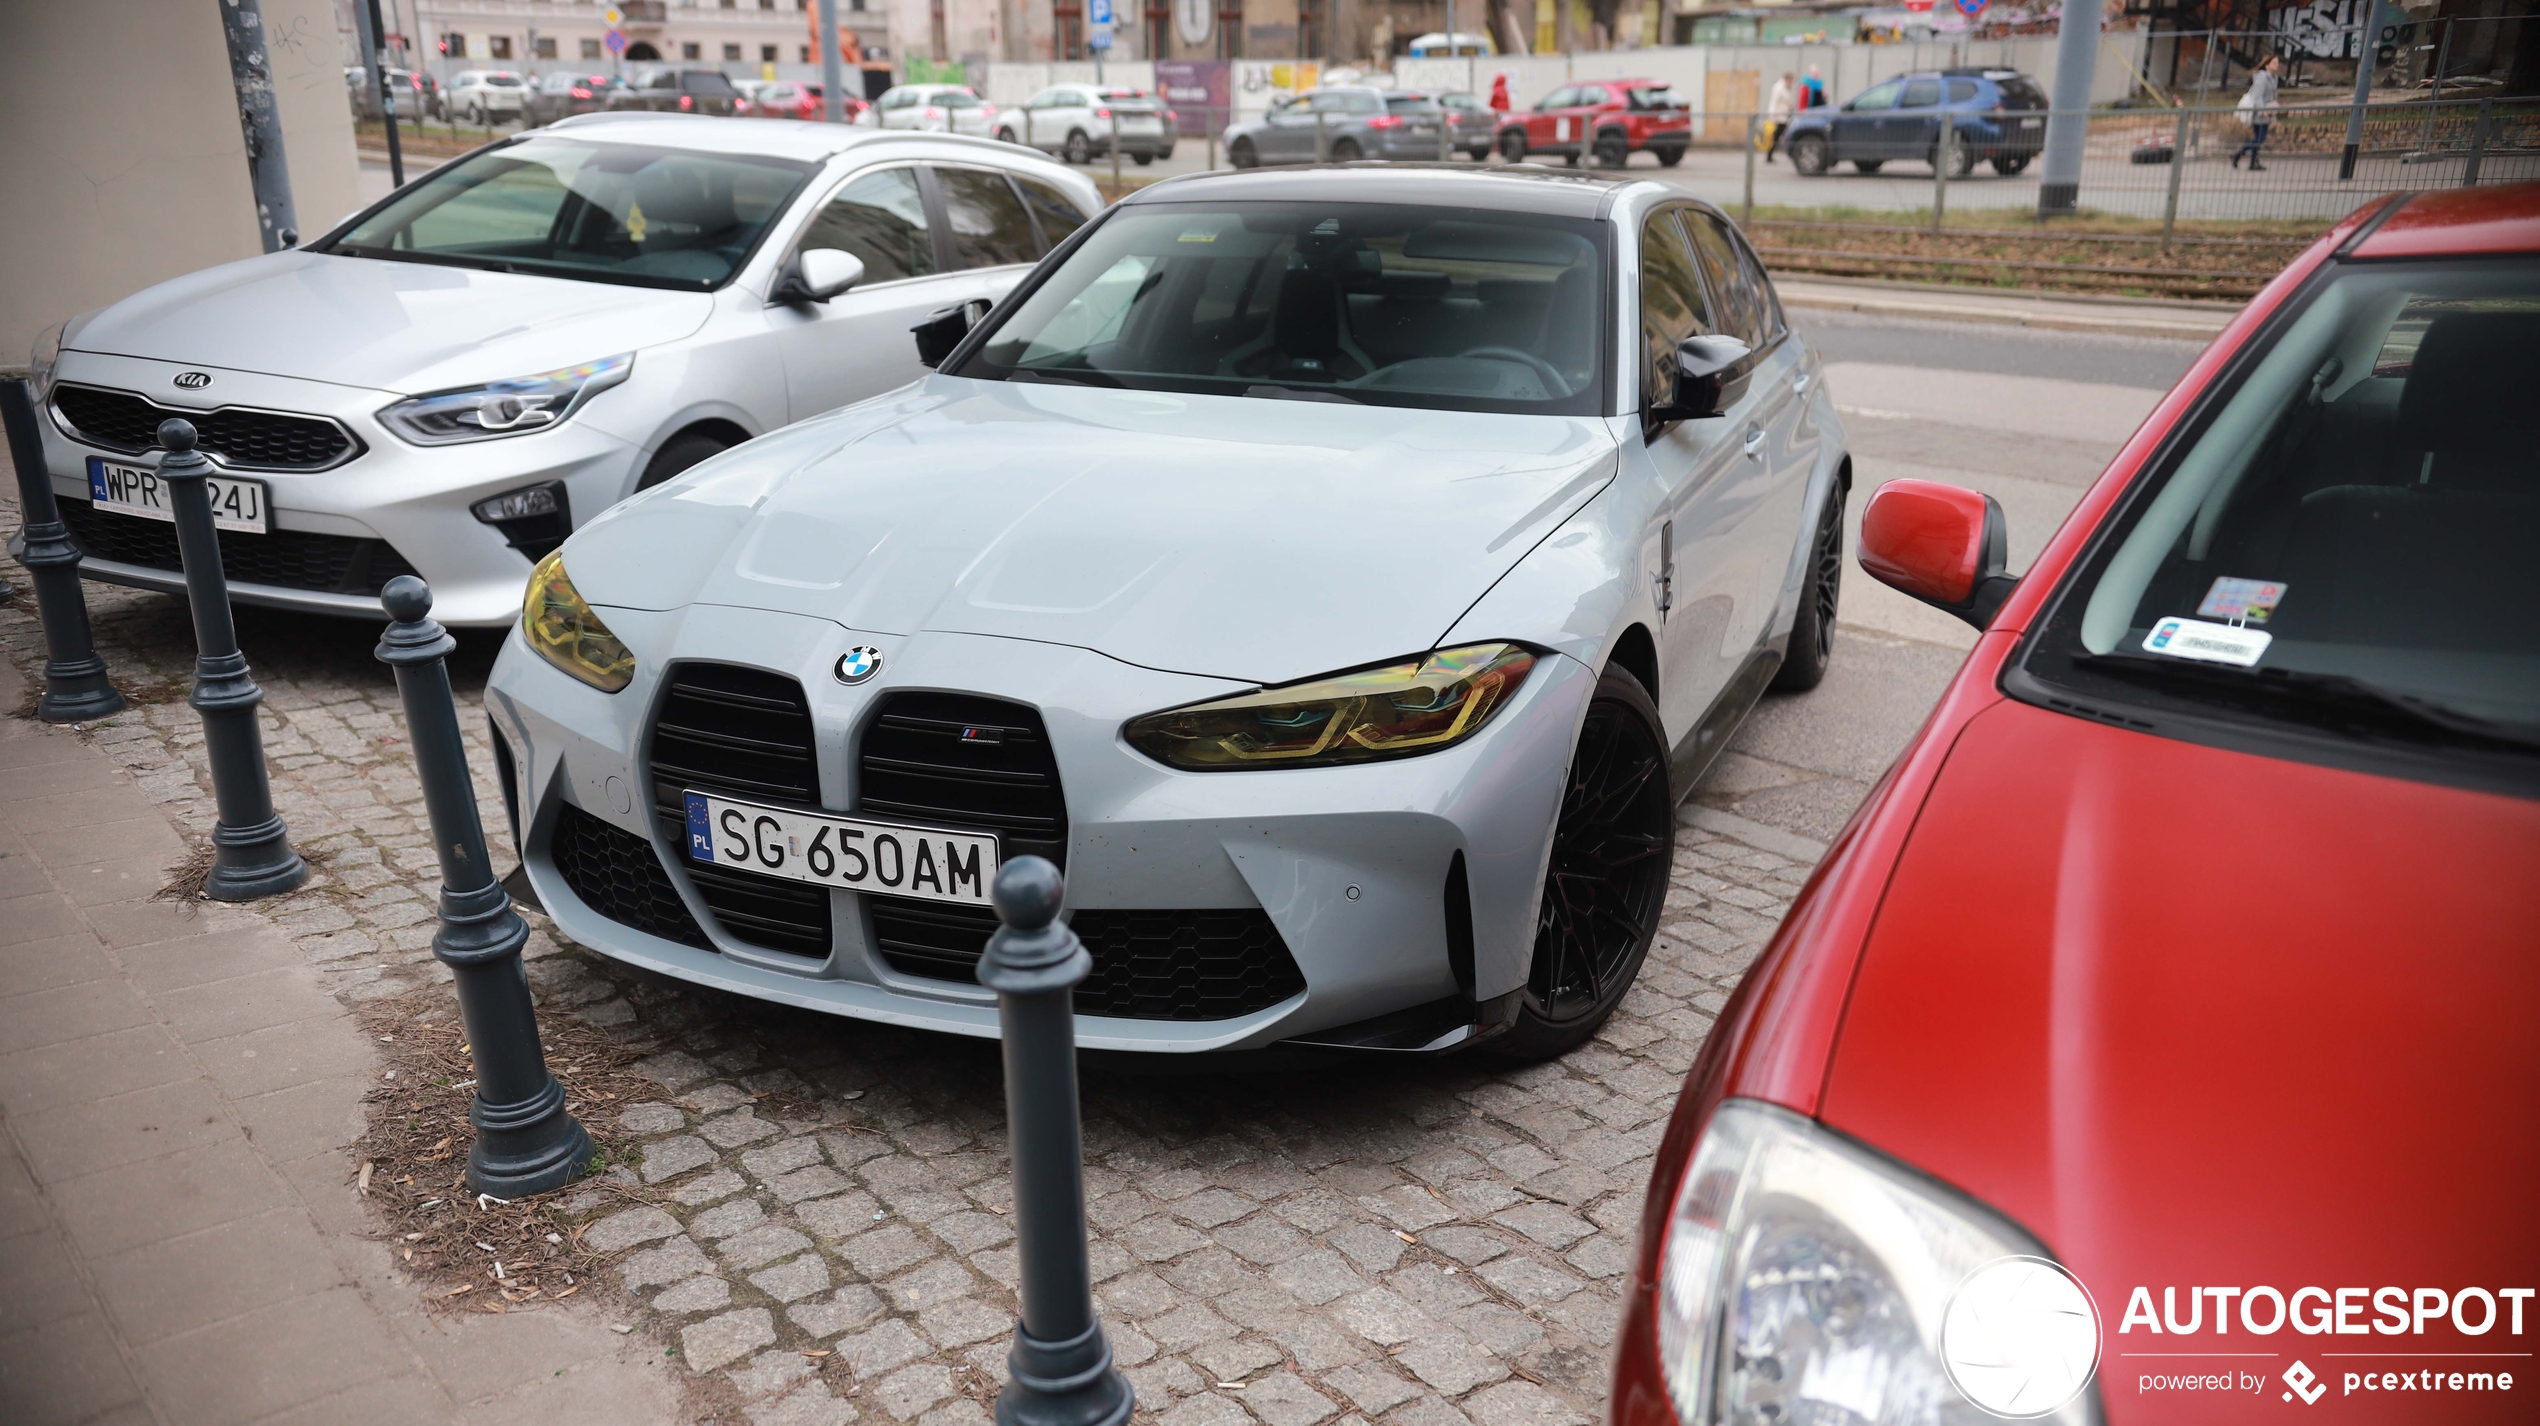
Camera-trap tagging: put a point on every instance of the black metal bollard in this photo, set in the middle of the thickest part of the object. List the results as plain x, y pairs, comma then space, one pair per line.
252, 854
525, 1141
75, 686
1061, 1363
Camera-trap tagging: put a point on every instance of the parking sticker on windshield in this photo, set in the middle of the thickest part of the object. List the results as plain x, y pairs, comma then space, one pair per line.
2211, 643
2247, 600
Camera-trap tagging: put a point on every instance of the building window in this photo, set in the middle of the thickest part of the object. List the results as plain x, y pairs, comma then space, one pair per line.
731, 51
806, 49
590, 49
500, 45
691, 51
767, 4
767, 54
546, 47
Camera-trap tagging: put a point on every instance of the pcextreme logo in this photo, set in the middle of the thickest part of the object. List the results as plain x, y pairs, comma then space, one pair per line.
2463, 1365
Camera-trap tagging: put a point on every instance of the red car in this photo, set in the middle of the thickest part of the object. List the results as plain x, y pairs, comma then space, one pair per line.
2157, 1042
799, 99
1611, 119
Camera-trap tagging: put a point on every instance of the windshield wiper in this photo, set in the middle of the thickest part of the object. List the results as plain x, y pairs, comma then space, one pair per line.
1299, 393
1073, 376
2330, 699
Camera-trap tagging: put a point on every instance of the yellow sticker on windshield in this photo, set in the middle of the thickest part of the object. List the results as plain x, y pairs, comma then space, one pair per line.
1197, 236
635, 223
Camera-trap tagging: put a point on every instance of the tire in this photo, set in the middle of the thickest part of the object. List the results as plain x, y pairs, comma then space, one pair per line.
1810, 155
1142, 159
1006, 136
677, 454
1479, 155
1606, 882
1570, 159
1346, 151
1241, 154
1078, 148
1612, 150
1868, 166
2009, 164
1812, 632
1962, 160
1512, 146
1668, 158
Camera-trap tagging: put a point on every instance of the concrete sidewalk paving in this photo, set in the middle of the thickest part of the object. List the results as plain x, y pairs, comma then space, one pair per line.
2059, 312
180, 1241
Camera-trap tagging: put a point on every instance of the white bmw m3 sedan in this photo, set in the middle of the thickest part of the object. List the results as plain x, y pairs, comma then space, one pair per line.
1341, 573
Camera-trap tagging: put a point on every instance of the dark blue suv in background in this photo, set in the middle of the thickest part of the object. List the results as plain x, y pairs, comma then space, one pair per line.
2000, 116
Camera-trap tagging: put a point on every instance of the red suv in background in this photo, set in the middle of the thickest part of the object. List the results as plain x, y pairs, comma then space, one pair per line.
1610, 119
2156, 1042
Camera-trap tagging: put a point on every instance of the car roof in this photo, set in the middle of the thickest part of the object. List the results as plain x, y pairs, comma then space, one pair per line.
2458, 222
1519, 188
808, 139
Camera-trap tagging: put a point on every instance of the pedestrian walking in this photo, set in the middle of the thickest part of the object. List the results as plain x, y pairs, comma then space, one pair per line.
1812, 90
2257, 110
1777, 111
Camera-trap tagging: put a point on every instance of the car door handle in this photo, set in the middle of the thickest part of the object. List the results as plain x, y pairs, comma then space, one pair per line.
1755, 441
1800, 383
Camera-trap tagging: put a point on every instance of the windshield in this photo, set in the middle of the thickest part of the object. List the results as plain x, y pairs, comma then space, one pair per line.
620, 213
1381, 304
2348, 542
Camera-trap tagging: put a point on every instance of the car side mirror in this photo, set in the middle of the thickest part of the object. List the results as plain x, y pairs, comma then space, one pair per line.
944, 328
818, 275
1710, 377
1943, 544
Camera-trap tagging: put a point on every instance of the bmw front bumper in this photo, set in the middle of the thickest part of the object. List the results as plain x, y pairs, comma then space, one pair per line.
1352, 866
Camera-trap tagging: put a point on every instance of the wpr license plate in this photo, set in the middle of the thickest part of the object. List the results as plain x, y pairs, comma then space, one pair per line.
137, 490
845, 852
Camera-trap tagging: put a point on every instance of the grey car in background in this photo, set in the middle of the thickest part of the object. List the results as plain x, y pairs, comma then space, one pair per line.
1342, 123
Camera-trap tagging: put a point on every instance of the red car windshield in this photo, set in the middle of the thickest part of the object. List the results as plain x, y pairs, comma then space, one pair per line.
2345, 543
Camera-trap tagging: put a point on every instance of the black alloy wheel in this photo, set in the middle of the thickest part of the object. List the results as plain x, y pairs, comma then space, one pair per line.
1345, 151
1512, 146
1812, 632
1241, 154
1612, 850
2009, 164
1612, 150
1079, 149
1810, 155
1669, 157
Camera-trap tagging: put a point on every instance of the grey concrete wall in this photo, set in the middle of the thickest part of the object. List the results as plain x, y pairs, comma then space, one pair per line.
121, 163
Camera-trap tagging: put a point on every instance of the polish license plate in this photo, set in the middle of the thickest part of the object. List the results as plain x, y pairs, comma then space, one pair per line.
137, 490
2032, 123
1424, 128
847, 852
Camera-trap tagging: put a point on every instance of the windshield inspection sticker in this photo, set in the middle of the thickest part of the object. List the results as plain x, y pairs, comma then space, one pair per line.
2248, 600
2211, 643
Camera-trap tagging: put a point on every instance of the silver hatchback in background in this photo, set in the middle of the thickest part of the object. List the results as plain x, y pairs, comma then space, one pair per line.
1340, 124
933, 108
1077, 122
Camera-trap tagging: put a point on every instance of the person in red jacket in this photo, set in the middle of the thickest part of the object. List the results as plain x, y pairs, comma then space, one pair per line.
1499, 92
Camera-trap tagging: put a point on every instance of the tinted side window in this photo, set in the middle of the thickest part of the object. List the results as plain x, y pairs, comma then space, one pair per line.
881, 219
1743, 312
1671, 301
989, 226
1921, 94
1883, 97
1058, 214
1961, 90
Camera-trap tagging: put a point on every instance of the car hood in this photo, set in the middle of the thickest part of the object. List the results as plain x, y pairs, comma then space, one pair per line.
391, 326
2196, 1016
1256, 540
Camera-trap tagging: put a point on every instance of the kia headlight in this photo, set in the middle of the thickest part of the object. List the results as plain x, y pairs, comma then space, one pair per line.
562, 627
1419, 705
1804, 1278
505, 408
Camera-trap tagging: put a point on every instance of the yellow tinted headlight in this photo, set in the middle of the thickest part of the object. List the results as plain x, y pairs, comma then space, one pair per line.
1399, 710
566, 633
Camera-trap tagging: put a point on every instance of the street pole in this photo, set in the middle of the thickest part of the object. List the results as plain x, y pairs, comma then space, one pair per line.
376, 38
75, 686
1061, 1367
260, 123
2178, 160
1754, 124
525, 1141
1943, 151
833, 102
251, 849
2363, 90
1114, 111
2068, 109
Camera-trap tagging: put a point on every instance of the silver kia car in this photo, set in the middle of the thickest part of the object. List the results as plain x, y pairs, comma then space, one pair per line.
1340, 573
454, 379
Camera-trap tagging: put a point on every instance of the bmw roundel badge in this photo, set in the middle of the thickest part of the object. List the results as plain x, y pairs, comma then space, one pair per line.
859, 663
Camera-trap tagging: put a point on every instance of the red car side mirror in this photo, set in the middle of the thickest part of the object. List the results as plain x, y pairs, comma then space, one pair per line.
1943, 544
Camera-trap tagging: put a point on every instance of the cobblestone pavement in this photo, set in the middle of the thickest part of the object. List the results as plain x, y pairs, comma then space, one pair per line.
1421, 1243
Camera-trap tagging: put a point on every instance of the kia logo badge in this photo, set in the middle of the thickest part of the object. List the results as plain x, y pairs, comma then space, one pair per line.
193, 380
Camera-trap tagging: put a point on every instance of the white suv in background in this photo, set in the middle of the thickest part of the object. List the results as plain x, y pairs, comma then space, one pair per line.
458, 377
1076, 122
935, 108
477, 95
